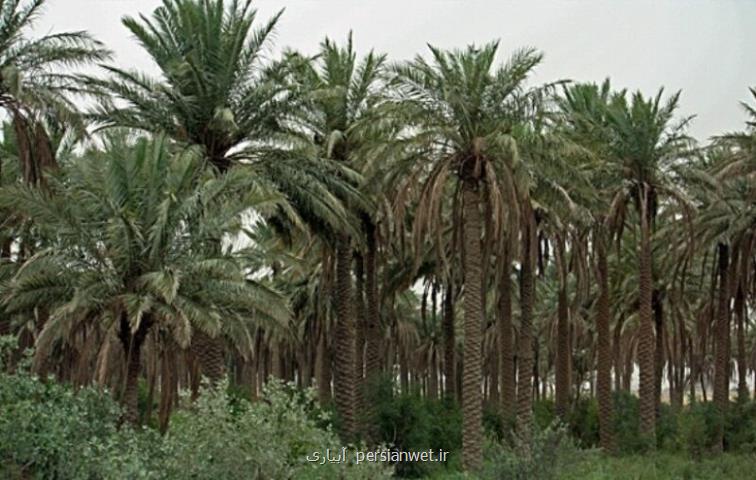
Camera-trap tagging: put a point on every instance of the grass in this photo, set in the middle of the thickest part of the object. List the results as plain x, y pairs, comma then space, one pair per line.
661, 466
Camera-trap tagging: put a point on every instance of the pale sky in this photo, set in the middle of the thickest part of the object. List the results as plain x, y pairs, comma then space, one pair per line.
705, 48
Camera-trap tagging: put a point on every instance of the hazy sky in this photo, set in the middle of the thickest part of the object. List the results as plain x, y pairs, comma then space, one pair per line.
705, 48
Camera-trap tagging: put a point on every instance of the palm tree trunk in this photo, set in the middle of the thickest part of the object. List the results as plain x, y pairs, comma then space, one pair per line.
525, 344
562, 366
506, 347
132, 347
472, 407
344, 381
433, 376
658, 308
373, 328
722, 338
604, 380
167, 385
450, 372
646, 340
323, 368
740, 313
360, 337
617, 353
210, 353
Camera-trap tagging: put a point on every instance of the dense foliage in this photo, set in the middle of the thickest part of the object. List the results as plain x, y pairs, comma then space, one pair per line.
541, 280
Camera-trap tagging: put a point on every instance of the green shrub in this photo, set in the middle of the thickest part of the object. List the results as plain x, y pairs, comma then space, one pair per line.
45, 427
410, 422
583, 422
740, 427
49, 431
697, 428
542, 458
627, 422
266, 439
666, 427
544, 413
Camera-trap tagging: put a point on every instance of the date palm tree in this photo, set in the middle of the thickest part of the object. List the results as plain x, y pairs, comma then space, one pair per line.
36, 82
462, 110
339, 122
646, 143
132, 237
585, 120
215, 91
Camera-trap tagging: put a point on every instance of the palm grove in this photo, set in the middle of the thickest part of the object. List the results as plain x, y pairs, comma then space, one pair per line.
338, 219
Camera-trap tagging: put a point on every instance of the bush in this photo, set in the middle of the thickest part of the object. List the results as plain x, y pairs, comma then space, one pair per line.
697, 427
48, 431
266, 439
740, 427
627, 422
583, 421
43, 424
667, 427
410, 422
544, 413
543, 458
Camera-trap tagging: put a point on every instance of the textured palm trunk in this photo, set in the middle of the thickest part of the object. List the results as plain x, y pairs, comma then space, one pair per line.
472, 406
658, 308
323, 368
433, 377
168, 385
617, 354
211, 356
562, 365
740, 313
506, 347
646, 340
603, 379
404, 371
722, 339
132, 347
493, 376
525, 343
373, 327
450, 371
359, 339
344, 381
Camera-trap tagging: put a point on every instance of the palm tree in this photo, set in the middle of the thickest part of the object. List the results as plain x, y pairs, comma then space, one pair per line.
586, 121
339, 122
214, 89
34, 87
645, 144
726, 225
462, 111
132, 235
216, 92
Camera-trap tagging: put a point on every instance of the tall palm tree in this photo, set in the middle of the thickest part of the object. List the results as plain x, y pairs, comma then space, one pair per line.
726, 227
462, 111
645, 145
36, 83
339, 122
133, 234
585, 119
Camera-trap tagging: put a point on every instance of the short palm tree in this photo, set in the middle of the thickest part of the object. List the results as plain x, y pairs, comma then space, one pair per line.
133, 235
215, 91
